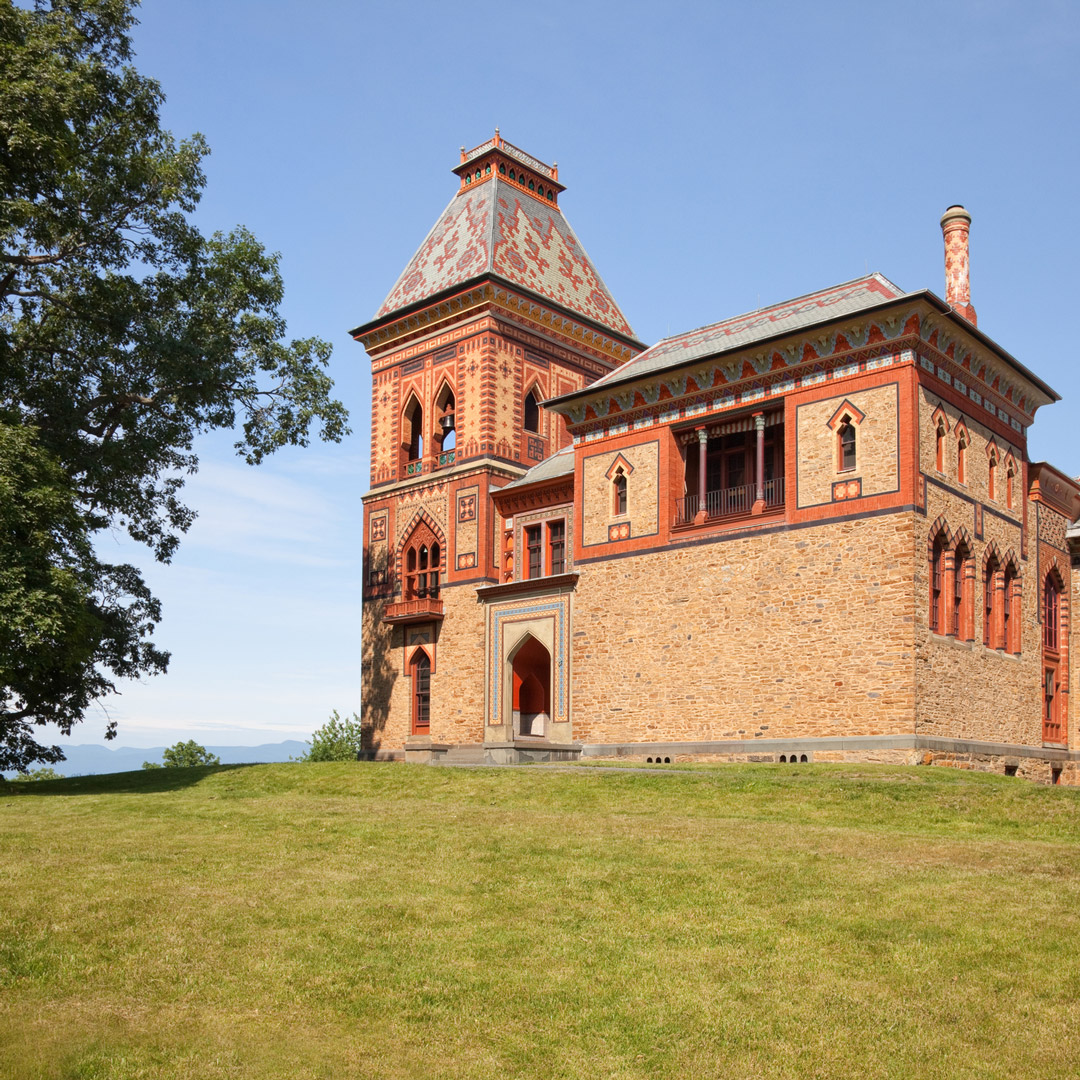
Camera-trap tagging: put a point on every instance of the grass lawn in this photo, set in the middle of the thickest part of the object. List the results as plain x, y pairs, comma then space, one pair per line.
402, 921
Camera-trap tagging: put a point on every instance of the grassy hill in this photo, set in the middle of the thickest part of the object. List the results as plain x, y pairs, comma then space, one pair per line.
398, 921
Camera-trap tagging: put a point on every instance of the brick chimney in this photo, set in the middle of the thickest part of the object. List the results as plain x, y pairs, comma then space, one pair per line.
955, 223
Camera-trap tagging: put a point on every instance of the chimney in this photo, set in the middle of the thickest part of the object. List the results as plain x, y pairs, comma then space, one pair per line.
955, 223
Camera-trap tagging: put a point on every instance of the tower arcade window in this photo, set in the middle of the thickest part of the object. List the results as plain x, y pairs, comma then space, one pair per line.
532, 413
413, 430
446, 419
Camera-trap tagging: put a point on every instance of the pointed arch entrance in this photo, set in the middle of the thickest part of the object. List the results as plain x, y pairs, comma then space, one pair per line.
530, 666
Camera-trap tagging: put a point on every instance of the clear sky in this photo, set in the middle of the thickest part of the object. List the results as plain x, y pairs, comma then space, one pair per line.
717, 156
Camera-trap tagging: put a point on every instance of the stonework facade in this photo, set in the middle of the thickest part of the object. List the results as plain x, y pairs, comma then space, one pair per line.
808, 533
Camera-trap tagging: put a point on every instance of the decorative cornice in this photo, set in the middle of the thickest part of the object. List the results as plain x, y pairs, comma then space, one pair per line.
554, 583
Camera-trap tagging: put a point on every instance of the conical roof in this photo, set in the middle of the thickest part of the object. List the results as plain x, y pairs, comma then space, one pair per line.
496, 226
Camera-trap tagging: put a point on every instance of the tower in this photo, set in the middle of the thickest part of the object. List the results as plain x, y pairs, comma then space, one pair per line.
499, 310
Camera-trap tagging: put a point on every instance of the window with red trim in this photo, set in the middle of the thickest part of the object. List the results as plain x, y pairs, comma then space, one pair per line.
937, 559
940, 456
961, 457
845, 435
1052, 612
1011, 624
534, 552
557, 547
619, 491
989, 603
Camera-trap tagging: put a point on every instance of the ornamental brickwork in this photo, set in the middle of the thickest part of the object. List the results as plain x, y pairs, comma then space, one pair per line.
808, 533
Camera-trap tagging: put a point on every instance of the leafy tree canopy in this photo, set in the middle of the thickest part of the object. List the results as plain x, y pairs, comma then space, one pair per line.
124, 333
183, 755
37, 774
336, 740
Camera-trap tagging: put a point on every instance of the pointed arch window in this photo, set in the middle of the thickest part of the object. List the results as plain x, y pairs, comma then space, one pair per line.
937, 584
1010, 479
962, 606
990, 603
1010, 606
1052, 612
532, 412
618, 485
942, 431
446, 421
961, 456
992, 469
845, 436
413, 430
420, 669
422, 562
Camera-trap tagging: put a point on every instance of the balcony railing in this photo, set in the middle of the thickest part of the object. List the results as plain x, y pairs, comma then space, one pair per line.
447, 458
733, 502
414, 468
419, 609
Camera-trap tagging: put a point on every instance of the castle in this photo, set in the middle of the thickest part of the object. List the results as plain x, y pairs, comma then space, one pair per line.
808, 533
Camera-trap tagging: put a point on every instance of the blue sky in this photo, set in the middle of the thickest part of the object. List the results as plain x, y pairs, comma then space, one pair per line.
717, 157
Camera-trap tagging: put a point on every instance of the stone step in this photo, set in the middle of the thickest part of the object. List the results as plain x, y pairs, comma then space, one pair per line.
465, 755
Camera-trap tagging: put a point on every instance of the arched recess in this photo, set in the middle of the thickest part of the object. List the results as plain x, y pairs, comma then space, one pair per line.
939, 542
530, 665
412, 429
446, 418
963, 588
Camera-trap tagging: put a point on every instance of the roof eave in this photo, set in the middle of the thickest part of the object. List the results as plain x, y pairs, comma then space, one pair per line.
471, 283
924, 294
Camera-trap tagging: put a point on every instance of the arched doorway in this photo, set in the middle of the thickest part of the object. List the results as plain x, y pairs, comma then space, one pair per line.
531, 670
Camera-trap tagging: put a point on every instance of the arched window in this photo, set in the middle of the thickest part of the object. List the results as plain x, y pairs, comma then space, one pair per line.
962, 608
532, 413
845, 435
422, 562
992, 465
413, 430
446, 421
421, 693
619, 491
1010, 611
940, 452
1010, 475
990, 631
961, 456
937, 584
1052, 612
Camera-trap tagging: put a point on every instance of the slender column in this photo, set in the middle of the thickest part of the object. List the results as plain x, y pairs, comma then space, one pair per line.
759, 427
703, 440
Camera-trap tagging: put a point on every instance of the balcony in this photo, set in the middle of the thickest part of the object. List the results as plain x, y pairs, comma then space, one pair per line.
417, 610
730, 504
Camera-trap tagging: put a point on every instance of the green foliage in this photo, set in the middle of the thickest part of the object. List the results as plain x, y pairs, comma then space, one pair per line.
124, 333
37, 774
184, 755
336, 740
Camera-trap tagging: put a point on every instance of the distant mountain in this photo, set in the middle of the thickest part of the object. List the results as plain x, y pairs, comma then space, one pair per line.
88, 760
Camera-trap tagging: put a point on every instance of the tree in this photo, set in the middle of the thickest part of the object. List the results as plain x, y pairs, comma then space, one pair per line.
124, 333
183, 755
336, 740
37, 774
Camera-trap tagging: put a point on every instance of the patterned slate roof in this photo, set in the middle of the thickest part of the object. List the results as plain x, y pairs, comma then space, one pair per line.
803, 311
558, 464
498, 228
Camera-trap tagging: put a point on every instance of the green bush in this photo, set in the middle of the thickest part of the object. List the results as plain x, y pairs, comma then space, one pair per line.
336, 740
183, 755
37, 774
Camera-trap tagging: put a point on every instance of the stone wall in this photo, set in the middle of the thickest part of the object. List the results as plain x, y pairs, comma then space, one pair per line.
793, 633
641, 465
877, 445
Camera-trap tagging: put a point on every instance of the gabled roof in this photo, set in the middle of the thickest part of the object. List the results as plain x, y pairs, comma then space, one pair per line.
767, 322
497, 228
